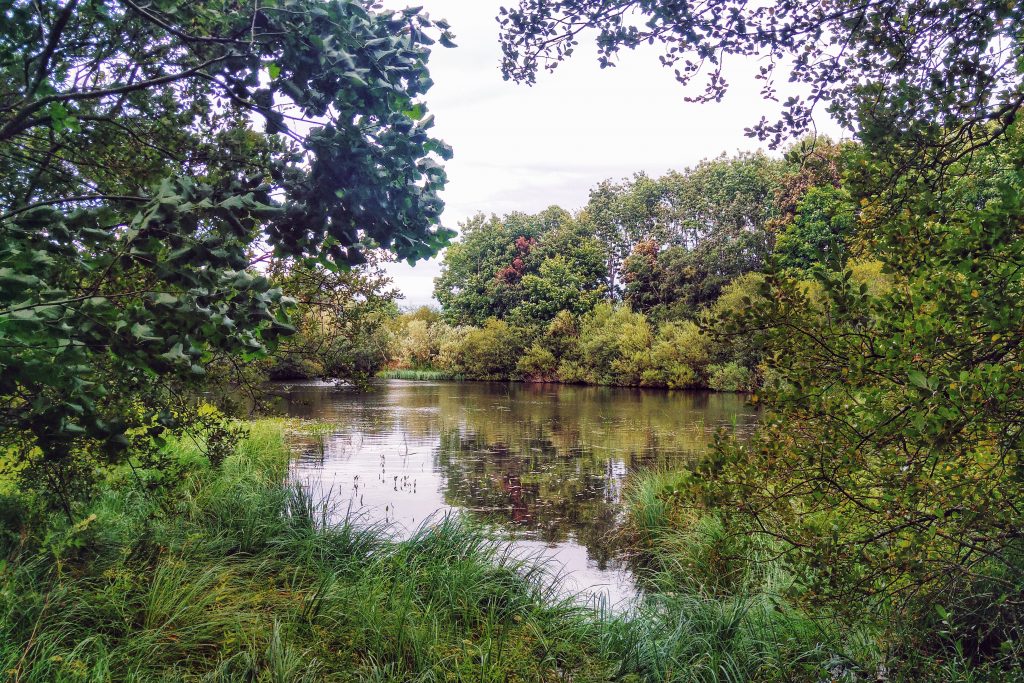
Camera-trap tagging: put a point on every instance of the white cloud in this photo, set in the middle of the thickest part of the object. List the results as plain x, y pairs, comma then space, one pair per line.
526, 148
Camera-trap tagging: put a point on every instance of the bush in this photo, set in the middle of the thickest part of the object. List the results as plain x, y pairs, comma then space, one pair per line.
615, 345
680, 355
730, 376
492, 351
449, 347
538, 364
414, 344
572, 372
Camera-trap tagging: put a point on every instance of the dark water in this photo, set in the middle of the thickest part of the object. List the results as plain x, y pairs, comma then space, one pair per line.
545, 464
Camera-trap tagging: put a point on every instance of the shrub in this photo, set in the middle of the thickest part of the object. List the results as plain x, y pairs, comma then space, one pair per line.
730, 376
537, 364
615, 345
414, 344
680, 355
572, 372
492, 351
449, 347
561, 337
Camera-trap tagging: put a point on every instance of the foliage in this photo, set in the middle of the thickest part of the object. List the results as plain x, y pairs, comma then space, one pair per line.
906, 74
680, 356
615, 345
643, 277
738, 297
340, 318
714, 224
608, 345
538, 364
890, 461
820, 231
556, 287
730, 376
521, 268
419, 375
621, 216
415, 345
814, 162
235, 575
491, 352
148, 150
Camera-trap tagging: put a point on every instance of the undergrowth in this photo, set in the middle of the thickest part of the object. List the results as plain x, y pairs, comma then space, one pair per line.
236, 575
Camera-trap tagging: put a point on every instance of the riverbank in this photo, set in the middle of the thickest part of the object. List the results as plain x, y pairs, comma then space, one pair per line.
231, 575
433, 375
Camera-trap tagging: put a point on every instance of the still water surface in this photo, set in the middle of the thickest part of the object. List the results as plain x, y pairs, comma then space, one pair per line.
544, 464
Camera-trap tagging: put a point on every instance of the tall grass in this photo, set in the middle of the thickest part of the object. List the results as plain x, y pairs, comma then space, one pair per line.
420, 375
733, 596
235, 575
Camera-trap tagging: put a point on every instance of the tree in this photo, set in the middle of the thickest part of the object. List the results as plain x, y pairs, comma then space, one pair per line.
150, 151
729, 198
890, 459
340, 318
898, 72
469, 288
820, 233
714, 224
642, 274
537, 263
622, 215
557, 286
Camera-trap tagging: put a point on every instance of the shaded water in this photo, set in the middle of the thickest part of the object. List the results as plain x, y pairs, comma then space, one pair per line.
544, 464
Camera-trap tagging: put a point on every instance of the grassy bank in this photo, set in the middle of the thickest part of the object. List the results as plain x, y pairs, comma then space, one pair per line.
695, 554
233, 576
421, 375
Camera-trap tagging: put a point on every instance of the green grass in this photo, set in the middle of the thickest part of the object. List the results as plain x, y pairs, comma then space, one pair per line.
736, 597
420, 375
236, 576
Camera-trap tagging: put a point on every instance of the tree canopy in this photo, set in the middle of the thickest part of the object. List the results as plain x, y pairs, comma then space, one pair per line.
524, 267
153, 152
899, 71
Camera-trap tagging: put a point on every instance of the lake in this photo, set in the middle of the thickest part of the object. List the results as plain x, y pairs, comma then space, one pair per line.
543, 464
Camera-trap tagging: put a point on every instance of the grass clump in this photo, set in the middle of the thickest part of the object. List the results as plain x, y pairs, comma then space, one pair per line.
739, 608
419, 375
236, 575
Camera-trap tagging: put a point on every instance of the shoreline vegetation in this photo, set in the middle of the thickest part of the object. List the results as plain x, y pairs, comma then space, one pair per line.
431, 375
424, 375
233, 574
200, 196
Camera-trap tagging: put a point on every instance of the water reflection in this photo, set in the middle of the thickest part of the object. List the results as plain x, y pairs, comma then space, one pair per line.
545, 464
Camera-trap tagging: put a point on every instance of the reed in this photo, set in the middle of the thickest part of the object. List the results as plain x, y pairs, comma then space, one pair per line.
419, 375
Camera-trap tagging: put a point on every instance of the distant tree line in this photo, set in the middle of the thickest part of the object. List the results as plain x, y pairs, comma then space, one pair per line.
631, 290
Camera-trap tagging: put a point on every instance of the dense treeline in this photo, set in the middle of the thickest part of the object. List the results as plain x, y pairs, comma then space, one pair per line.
632, 289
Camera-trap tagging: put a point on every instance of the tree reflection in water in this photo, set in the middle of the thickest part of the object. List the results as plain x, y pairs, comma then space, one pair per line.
541, 462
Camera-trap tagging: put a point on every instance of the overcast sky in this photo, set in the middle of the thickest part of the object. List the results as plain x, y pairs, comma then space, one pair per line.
520, 148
